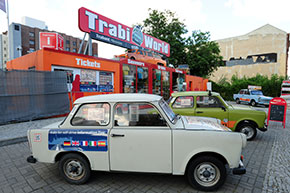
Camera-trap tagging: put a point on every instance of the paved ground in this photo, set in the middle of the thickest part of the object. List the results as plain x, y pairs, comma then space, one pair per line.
267, 160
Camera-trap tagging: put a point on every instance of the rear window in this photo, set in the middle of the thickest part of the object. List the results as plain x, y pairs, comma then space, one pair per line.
183, 102
97, 114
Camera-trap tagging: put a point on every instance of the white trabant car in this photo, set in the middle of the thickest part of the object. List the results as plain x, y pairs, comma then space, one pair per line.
138, 133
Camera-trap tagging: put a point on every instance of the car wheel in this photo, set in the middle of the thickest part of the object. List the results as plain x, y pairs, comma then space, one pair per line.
132, 58
206, 173
74, 168
238, 101
253, 103
249, 130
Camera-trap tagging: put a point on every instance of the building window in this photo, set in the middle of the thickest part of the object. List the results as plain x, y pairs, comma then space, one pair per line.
74, 43
74, 50
4, 55
31, 50
67, 48
4, 48
16, 27
31, 42
31, 34
67, 41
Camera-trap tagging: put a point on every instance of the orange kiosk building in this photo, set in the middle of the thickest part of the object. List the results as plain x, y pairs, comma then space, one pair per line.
87, 75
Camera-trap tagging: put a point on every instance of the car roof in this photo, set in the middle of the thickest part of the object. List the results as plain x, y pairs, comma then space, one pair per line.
194, 93
123, 97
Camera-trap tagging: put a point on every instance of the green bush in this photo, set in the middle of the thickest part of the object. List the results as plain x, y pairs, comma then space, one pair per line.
270, 86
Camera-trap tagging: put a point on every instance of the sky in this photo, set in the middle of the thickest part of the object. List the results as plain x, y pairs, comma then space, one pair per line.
222, 18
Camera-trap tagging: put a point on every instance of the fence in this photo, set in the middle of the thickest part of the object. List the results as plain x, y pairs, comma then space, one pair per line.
29, 95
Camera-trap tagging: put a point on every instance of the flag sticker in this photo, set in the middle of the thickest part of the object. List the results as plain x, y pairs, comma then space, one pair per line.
66, 143
75, 143
93, 143
102, 143
85, 143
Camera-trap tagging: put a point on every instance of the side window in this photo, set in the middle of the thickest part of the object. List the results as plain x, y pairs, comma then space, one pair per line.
183, 102
140, 52
208, 102
92, 115
149, 54
241, 92
137, 114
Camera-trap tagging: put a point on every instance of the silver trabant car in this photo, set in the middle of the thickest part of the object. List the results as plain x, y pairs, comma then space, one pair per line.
138, 133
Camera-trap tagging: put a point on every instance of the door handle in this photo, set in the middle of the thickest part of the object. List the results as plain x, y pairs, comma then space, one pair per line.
117, 135
199, 112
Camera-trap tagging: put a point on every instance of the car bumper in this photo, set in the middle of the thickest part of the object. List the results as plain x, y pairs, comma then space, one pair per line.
266, 103
239, 170
31, 159
265, 128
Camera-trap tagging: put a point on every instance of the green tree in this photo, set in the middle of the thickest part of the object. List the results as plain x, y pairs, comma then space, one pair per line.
201, 54
165, 26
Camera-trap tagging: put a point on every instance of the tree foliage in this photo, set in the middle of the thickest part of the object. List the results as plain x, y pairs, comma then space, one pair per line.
201, 54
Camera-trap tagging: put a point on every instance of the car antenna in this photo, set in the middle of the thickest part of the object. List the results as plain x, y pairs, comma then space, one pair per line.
209, 93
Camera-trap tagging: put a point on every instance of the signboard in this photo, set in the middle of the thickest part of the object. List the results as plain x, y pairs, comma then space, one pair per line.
106, 30
251, 87
50, 40
277, 110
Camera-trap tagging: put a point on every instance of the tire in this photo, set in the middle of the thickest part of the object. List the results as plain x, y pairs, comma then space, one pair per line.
74, 168
206, 173
238, 101
248, 129
253, 103
132, 58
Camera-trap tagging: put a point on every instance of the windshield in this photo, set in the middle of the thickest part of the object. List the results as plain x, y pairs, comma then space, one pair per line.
256, 92
223, 101
167, 110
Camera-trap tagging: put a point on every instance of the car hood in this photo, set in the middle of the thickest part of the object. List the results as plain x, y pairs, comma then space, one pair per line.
203, 123
265, 97
246, 108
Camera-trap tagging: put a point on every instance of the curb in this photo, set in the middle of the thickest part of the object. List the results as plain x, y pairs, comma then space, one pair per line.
13, 141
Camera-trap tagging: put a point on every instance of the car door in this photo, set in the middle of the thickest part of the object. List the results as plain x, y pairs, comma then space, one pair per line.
183, 105
140, 140
247, 97
211, 106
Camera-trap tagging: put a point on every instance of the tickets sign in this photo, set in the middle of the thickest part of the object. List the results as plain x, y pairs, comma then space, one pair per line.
106, 30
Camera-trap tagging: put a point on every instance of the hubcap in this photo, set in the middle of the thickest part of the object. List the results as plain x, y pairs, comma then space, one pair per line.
74, 169
248, 131
207, 174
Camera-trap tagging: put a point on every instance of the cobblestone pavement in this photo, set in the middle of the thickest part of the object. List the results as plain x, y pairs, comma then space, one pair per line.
278, 173
266, 159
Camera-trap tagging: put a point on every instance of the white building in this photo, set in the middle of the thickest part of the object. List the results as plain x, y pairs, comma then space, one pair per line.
4, 53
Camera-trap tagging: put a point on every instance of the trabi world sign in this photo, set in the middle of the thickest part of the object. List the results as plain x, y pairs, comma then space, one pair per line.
104, 29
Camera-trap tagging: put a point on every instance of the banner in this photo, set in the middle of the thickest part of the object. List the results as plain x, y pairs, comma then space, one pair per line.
104, 29
2, 5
